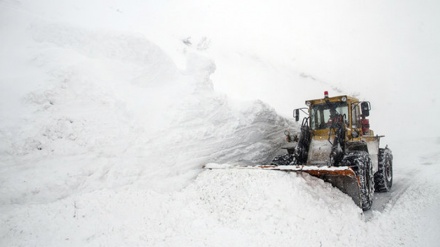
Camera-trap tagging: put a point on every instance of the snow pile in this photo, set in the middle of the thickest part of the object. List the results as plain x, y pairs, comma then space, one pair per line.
218, 208
107, 109
234, 207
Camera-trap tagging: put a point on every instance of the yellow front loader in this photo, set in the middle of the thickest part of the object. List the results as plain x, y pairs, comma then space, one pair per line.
337, 145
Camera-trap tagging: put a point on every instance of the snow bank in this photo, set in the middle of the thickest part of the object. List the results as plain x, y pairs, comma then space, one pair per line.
101, 124
220, 207
106, 109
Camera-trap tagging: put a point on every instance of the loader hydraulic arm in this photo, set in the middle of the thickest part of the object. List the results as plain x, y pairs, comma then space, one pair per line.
301, 152
338, 147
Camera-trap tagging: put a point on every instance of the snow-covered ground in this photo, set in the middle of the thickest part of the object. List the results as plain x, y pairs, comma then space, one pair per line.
108, 110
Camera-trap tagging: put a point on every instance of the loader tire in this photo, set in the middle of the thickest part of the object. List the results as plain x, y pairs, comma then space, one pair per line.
361, 163
284, 160
383, 179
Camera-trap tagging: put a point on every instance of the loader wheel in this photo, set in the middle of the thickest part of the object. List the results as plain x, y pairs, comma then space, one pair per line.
383, 179
367, 184
361, 163
283, 160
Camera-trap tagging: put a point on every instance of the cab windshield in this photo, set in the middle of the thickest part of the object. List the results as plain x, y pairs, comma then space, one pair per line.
322, 116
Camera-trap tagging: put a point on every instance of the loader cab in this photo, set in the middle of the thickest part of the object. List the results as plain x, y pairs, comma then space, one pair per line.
323, 116
325, 112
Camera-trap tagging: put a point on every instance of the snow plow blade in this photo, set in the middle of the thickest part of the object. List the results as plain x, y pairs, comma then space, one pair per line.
343, 177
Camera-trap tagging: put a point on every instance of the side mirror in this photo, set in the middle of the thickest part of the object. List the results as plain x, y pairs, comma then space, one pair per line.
365, 108
296, 114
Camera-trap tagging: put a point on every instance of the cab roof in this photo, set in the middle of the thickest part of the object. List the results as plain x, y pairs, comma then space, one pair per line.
339, 98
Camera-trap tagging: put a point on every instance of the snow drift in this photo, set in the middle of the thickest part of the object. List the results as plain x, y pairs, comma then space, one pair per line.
121, 102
